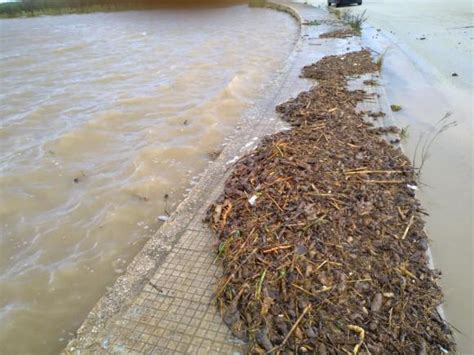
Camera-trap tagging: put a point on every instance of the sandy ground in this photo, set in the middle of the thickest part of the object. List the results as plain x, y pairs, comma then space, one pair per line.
418, 74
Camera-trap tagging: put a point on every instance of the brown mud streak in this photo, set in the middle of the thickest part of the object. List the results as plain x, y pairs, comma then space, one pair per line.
331, 255
339, 34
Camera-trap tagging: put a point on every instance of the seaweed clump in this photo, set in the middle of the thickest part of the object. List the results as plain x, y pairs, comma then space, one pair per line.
321, 237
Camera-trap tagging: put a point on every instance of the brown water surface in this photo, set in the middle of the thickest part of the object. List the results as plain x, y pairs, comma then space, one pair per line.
103, 115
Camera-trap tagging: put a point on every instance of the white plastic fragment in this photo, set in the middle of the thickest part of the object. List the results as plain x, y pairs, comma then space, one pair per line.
249, 144
163, 218
253, 200
233, 160
413, 187
443, 350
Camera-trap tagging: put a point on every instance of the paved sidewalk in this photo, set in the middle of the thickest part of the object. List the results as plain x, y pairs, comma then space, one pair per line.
163, 304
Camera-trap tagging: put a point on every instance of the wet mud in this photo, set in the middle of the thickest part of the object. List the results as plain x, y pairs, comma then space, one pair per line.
339, 34
321, 236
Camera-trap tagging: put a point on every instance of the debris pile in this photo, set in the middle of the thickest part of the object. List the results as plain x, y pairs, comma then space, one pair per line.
334, 70
339, 34
321, 236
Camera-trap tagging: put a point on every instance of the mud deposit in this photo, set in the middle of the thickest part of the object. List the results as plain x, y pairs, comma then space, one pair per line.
339, 34
321, 236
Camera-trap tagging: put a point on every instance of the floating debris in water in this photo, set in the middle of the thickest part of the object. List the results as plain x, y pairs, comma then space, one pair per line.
213, 155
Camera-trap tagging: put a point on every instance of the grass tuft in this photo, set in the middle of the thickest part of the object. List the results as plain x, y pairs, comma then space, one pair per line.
336, 12
426, 141
355, 21
404, 134
380, 60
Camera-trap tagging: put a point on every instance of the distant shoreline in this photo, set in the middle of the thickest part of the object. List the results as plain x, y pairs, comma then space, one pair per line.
20, 10
25, 10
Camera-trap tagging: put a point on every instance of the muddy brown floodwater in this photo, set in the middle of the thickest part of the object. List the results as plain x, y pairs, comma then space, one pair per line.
103, 115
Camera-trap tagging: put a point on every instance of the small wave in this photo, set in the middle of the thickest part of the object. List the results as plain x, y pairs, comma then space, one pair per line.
81, 140
111, 78
236, 85
137, 100
107, 119
73, 48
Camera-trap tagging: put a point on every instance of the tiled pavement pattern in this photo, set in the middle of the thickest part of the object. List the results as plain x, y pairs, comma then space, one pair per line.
173, 313
163, 304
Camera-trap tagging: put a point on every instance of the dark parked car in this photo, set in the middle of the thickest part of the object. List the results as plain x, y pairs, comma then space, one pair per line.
344, 2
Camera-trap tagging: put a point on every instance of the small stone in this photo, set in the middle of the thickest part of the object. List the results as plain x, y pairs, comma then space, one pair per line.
311, 333
395, 108
376, 304
423, 244
322, 349
301, 249
422, 350
298, 333
361, 286
262, 339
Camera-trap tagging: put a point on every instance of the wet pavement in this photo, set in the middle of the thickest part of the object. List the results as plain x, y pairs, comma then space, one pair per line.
428, 71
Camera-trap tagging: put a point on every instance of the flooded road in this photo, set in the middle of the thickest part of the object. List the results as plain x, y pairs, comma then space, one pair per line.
106, 121
419, 76
426, 42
